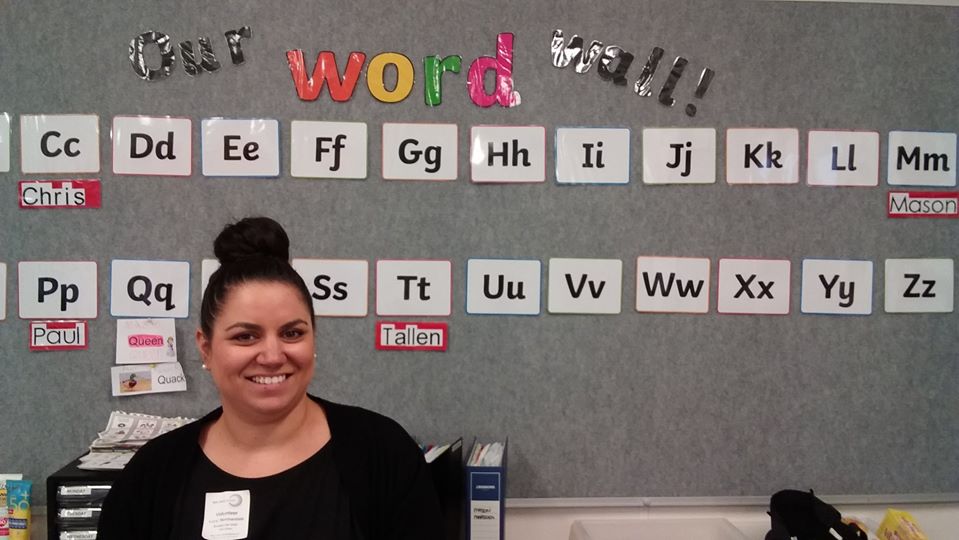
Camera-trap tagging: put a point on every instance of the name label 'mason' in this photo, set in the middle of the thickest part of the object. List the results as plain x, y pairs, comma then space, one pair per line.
411, 336
919, 204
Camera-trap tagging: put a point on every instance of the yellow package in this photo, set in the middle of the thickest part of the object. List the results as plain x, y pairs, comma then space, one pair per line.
900, 525
18, 499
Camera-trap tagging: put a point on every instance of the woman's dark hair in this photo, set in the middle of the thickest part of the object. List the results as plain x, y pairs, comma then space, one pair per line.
252, 249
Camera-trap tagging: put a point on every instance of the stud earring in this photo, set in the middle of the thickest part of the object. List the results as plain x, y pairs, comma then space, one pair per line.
205, 367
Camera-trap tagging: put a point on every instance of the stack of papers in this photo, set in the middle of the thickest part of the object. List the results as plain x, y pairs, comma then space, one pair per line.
431, 452
125, 434
486, 455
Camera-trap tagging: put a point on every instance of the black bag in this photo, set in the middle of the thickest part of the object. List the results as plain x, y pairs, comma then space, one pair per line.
801, 515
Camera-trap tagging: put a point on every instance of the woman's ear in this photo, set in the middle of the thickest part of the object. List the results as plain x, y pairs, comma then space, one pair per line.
203, 344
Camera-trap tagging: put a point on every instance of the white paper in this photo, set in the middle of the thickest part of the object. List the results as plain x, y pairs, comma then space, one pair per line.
919, 158
129, 431
328, 149
146, 341
762, 156
339, 288
57, 289
484, 520
154, 146
136, 379
592, 155
843, 158
226, 515
414, 287
679, 156
518, 154
149, 288
672, 285
836, 287
592, 286
4, 142
919, 285
60, 143
420, 151
3, 291
754, 286
241, 148
503, 287
207, 267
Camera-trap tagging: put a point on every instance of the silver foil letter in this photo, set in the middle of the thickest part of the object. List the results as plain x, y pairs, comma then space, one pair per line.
233, 38
610, 55
564, 54
208, 59
167, 57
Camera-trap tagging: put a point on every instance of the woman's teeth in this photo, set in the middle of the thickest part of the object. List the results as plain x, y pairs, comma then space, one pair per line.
276, 379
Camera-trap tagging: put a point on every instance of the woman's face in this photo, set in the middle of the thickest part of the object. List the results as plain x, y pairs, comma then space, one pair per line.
260, 351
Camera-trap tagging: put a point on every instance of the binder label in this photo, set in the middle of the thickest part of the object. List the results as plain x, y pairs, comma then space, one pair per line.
484, 486
484, 506
411, 336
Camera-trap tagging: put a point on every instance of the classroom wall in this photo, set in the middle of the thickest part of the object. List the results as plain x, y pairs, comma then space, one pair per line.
623, 404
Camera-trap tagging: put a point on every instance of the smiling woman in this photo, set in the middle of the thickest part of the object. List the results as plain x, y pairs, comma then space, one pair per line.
272, 461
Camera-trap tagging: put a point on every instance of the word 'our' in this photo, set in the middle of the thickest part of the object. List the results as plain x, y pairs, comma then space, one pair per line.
208, 60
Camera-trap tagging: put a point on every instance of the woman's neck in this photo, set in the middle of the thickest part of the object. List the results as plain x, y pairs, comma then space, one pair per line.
251, 447
252, 433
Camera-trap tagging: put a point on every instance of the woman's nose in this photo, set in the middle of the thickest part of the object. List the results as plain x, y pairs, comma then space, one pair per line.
272, 352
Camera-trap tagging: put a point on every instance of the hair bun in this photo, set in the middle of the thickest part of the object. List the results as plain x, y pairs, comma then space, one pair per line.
252, 237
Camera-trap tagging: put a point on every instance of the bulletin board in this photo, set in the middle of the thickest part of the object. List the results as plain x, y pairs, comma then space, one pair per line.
594, 405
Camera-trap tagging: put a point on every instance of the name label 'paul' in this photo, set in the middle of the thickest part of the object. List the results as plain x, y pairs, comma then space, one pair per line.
58, 335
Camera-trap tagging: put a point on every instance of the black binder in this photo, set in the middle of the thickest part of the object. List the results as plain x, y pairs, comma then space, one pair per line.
447, 472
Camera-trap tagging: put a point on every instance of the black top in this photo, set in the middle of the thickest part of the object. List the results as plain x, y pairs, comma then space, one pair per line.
304, 501
381, 470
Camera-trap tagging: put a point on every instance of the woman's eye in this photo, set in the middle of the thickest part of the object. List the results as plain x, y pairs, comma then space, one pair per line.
243, 337
293, 333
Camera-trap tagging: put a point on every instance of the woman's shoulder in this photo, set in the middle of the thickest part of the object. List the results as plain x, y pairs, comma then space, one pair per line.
359, 422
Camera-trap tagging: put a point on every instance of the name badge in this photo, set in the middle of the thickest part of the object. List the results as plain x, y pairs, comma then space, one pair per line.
226, 515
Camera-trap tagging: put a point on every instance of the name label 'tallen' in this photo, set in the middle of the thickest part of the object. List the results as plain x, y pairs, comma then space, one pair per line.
411, 336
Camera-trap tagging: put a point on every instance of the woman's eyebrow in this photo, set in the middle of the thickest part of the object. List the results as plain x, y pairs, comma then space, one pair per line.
294, 323
243, 325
